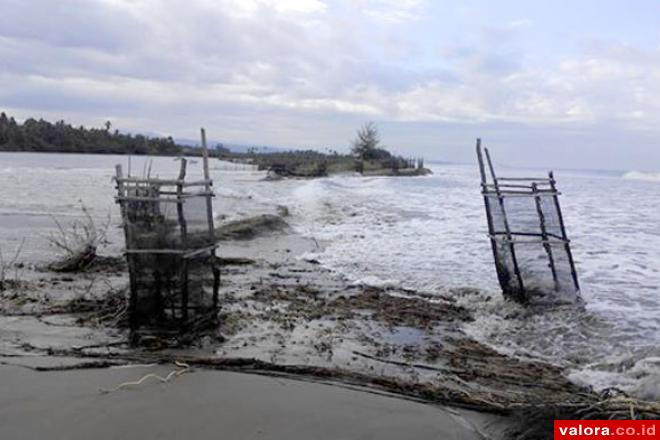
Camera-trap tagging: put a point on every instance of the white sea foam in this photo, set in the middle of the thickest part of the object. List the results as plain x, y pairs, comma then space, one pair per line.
638, 175
638, 376
429, 233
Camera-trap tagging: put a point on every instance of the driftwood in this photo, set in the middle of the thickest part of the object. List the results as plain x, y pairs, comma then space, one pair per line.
535, 422
251, 227
610, 404
418, 391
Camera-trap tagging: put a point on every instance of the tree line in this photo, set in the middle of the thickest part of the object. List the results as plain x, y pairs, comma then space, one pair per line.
43, 136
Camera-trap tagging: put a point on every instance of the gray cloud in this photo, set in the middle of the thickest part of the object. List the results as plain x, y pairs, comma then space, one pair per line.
68, 23
307, 73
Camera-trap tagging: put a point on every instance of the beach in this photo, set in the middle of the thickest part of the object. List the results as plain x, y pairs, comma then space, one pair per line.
210, 404
64, 365
307, 292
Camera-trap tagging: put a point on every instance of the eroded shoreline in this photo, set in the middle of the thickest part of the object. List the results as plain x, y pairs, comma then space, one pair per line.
284, 315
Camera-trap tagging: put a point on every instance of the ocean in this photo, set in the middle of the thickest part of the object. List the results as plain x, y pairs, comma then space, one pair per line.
426, 233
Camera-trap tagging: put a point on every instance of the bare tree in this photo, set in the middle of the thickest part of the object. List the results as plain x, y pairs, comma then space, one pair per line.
366, 142
7, 265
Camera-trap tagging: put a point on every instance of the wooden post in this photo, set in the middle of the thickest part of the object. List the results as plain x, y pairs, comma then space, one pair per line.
491, 228
158, 293
207, 186
179, 206
130, 258
205, 154
184, 243
506, 227
544, 234
567, 245
209, 215
502, 273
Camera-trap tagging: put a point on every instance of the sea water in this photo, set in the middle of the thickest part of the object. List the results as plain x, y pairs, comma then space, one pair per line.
427, 233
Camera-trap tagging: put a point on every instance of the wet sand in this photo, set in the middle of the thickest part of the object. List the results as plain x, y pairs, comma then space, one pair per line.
205, 404
282, 314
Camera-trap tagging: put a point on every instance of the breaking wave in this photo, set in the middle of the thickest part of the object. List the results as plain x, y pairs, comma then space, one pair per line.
638, 175
428, 234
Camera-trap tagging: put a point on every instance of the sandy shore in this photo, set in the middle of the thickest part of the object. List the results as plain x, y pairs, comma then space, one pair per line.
66, 315
282, 315
209, 404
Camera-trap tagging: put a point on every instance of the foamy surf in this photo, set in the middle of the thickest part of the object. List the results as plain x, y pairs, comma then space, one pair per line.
638, 175
429, 234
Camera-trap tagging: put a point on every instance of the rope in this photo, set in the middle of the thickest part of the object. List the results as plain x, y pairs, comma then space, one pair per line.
182, 369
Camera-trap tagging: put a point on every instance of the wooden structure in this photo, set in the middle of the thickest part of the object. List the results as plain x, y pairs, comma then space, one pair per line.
170, 249
531, 249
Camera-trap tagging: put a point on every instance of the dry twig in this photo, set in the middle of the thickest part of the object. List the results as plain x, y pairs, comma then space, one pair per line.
6, 266
78, 243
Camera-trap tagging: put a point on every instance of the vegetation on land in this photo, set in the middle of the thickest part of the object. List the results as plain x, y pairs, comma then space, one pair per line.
78, 243
365, 145
367, 155
43, 136
7, 266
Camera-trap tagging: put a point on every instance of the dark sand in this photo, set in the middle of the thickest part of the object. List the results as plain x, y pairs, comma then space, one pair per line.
280, 307
201, 404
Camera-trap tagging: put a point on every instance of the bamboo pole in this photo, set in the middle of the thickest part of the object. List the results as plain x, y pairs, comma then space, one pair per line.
130, 259
530, 234
501, 277
508, 193
184, 253
544, 234
179, 207
529, 241
207, 186
209, 214
567, 245
537, 179
510, 185
179, 200
184, 243
165, 182
506, 227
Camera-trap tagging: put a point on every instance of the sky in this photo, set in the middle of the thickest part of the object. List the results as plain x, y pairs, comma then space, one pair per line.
572, 84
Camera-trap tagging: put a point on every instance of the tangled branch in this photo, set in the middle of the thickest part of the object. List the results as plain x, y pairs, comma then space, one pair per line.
78, 243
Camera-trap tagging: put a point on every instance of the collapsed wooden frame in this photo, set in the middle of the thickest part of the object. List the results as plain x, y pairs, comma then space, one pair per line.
520, 279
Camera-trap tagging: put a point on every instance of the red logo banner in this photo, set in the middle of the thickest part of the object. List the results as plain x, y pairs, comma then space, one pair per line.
611, 429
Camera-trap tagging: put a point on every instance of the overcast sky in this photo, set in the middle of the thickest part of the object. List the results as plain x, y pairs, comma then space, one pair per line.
544, 83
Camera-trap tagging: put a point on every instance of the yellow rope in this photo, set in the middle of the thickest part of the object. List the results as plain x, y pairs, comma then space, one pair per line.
184, 368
